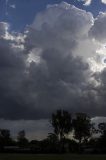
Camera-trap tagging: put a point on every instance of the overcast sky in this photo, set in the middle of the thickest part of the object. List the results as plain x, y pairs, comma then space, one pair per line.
52, 56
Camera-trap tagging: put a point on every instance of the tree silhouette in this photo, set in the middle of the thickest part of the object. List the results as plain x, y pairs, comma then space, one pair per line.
22, 140
82, 127
5, 139
52, 138
62, 124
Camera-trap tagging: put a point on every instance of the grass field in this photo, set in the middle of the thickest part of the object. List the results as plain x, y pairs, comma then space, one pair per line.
51, 157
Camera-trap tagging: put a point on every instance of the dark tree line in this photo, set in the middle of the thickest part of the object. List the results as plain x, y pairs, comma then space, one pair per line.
72, 134
80, 125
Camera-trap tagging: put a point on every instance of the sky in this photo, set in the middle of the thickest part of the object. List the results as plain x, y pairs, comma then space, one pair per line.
52, 56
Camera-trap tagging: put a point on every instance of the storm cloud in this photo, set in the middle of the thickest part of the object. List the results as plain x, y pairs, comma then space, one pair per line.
41, 71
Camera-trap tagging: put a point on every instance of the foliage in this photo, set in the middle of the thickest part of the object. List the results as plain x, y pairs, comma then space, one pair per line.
22, 140
62, 123
5, 139
82, 127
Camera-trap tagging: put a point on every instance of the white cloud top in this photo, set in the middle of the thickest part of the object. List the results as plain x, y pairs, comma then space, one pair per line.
103, 1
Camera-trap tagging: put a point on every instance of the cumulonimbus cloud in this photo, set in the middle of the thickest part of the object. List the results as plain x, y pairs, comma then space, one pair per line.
40, 70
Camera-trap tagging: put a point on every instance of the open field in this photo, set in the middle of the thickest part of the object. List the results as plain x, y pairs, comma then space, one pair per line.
50, 157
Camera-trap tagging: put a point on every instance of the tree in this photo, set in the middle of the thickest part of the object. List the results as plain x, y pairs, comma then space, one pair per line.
62, 124
22, 140
52, 138
5, 139
82, 127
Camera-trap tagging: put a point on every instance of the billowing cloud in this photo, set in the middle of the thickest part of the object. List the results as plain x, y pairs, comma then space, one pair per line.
57, 68
98, 30
47, 67
103, 1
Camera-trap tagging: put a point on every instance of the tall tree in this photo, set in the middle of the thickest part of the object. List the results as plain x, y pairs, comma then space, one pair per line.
5, 138
62, 123
22, 140
82, 127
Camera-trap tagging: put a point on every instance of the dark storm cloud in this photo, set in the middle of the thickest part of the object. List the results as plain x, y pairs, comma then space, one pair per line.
55, 80
12, 68
39, 72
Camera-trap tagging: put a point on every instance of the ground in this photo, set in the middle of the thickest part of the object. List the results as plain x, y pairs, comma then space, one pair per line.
50, 157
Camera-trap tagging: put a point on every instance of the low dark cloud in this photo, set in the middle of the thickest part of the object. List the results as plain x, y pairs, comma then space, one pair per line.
35, 129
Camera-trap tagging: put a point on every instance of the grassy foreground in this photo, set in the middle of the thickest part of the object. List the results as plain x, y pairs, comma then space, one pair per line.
50, 157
